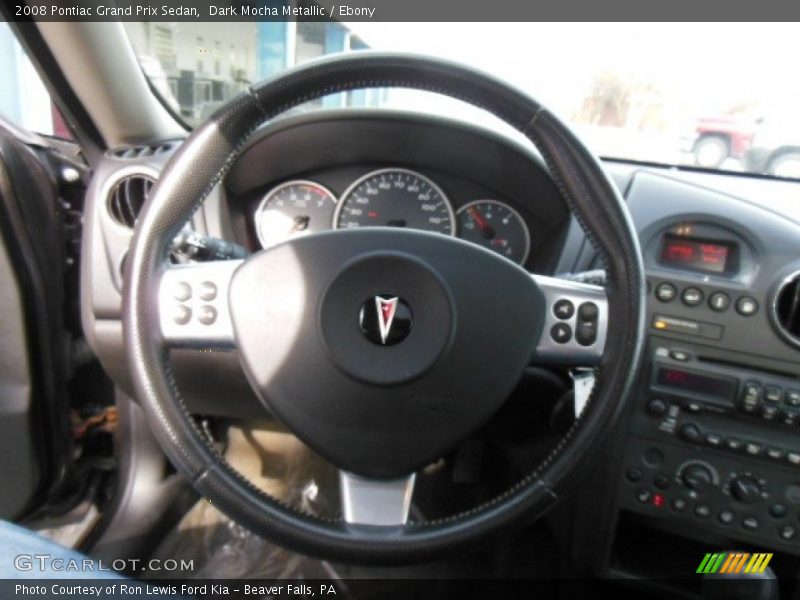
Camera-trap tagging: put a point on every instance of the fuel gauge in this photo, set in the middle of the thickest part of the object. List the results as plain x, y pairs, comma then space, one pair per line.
496, 226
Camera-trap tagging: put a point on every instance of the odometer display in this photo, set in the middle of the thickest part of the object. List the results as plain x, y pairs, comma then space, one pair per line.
395, 198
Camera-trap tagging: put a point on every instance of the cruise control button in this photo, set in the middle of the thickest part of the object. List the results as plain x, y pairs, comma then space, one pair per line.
692, 296
182, 314
746, 306
207, 315
588, 311
182, 291
561, 333
586, 333
563, 309
719, 301
208, 291
666, 292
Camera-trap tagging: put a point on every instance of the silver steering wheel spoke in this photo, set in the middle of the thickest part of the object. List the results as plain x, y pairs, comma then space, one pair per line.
193, 306
575, 324
368, 501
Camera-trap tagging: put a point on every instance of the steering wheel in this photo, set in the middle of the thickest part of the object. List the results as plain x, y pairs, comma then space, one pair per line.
371, 345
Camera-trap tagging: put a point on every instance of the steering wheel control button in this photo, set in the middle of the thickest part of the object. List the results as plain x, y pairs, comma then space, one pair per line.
746, 306
207, 314
208, 291
692, 296
561, 333
182, 315
563, 309
182, 291
385, 319
719, 301
588, 311
666, 292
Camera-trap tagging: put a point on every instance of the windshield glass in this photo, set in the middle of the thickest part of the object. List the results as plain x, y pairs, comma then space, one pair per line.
705, 94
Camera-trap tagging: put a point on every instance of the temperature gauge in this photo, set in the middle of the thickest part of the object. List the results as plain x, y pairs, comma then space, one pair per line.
496, 226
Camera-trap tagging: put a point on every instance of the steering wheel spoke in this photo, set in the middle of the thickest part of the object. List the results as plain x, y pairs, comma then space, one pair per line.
575, 324
193, 304
368, 501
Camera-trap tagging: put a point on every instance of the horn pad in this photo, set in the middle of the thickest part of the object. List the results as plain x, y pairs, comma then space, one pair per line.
380, 348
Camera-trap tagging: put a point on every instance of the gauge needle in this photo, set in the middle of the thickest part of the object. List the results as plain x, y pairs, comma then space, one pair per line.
486, 230
301, 223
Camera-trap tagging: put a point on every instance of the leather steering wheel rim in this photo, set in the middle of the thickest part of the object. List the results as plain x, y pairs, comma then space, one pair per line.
200, 164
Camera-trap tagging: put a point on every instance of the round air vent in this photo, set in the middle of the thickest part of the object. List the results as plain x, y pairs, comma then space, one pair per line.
786, 308
127, 197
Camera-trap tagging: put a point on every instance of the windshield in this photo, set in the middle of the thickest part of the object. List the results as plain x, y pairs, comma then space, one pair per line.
707, 95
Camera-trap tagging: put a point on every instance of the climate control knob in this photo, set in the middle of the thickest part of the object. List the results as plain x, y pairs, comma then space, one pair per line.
745, 489
697, 476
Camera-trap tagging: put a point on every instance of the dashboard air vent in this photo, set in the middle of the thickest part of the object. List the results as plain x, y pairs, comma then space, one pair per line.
128, 152
127, 198
787, 308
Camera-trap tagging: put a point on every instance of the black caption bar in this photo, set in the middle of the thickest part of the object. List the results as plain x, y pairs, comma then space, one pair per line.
402, 10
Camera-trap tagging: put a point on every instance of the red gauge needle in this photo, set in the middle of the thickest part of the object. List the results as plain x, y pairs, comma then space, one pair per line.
486, 230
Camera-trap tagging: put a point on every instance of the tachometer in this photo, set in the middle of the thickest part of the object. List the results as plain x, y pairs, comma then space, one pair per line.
395, 198
496, 226
291, 209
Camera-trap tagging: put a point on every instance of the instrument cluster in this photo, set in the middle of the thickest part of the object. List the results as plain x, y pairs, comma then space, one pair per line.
391, 197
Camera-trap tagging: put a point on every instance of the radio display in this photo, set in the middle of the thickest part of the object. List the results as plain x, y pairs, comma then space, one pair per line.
698, 255
689, 381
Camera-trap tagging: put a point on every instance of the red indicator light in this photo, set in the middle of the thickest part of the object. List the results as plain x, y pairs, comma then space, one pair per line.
658, 500
372, 214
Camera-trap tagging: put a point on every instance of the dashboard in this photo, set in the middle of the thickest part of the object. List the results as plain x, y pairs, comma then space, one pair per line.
709, 447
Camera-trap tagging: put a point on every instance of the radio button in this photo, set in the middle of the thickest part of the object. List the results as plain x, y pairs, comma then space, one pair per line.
679, 355
561, 333
769, 412
714, 439
787, 532
657, 407
754, 449
666, 292
775, 453
734, 444
792, 397
746, 306
751, 396
692, 296
702, 511
777, 511
726, 516
789, 417
750, 523
772, 393
690, 433
793, 458
719, 301
563, 309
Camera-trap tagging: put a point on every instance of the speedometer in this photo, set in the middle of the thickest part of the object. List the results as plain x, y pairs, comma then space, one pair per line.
395, 198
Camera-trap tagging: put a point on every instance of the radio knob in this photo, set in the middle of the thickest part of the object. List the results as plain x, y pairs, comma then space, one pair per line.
745, 489
696, 476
